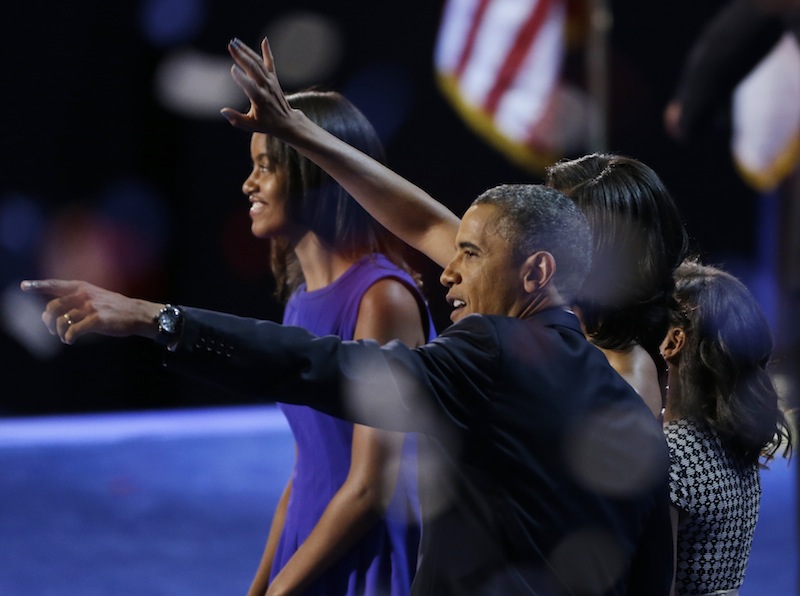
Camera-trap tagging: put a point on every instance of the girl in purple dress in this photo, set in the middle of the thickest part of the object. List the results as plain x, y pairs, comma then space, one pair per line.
347, 520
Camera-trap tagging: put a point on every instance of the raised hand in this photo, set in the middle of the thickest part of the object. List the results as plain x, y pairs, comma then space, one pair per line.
79, 308
402, 207
269, 111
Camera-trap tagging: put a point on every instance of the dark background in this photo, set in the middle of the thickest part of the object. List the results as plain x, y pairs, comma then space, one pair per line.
88, 152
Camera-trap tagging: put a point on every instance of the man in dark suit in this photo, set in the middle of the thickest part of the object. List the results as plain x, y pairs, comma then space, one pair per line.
541, 470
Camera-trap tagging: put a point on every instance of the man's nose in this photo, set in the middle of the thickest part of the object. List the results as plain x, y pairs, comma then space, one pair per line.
449, 276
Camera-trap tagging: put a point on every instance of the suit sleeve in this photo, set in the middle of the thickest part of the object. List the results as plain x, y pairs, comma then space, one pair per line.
426, 389
733, 43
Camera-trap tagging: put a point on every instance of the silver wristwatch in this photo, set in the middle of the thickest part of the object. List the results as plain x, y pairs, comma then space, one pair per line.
170, 321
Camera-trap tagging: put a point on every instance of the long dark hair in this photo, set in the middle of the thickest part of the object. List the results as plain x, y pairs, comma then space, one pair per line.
317, 202
723, 368
638, 240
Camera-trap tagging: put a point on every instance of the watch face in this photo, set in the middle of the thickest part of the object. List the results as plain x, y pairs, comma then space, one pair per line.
166, 322
169, 322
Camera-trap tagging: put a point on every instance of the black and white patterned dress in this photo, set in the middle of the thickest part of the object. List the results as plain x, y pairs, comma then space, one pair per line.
720, 499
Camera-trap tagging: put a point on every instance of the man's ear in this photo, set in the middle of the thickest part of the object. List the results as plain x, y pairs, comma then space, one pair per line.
673, 342
537, 271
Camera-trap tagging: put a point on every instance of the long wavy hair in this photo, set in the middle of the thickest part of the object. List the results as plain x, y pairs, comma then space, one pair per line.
723, 372
638, 240
318, 203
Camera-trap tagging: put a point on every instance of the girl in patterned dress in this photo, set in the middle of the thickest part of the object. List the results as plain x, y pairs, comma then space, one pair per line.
723, 415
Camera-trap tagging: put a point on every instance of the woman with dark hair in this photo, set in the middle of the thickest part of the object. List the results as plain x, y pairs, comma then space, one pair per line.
639, 239
722, 417
344, 523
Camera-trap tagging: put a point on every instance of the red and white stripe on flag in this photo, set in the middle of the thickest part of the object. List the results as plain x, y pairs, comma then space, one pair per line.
766, 118
499, 63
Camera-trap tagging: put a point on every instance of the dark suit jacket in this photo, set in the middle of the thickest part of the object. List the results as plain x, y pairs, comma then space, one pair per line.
541, 470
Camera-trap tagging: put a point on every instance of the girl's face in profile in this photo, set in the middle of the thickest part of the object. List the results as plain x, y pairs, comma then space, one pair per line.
266, 188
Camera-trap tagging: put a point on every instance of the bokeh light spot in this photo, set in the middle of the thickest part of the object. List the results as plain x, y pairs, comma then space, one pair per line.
194, 84
21, 223
307, 48
168, 22
134, 206
22, 319
616, 452
385, 94
589, 561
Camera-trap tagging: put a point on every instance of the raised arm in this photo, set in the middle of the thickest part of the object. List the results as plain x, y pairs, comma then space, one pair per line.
402, 207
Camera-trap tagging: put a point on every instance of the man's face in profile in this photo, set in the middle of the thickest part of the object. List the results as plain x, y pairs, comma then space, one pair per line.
483, 277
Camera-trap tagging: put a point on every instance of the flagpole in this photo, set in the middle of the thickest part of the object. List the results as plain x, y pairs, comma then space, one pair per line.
600, 23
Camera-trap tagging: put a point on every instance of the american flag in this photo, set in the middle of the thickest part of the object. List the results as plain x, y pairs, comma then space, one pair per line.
766, 118
499, 63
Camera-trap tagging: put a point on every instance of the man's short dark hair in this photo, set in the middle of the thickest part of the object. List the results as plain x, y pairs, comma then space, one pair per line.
533, 217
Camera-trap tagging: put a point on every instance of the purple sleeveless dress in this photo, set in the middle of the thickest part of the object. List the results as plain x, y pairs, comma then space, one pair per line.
384, 561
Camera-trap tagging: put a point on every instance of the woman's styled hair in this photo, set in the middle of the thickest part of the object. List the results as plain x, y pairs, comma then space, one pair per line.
723, 368
317, 202
638, 240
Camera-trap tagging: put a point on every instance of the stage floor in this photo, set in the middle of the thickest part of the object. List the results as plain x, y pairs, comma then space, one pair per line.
179, 502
